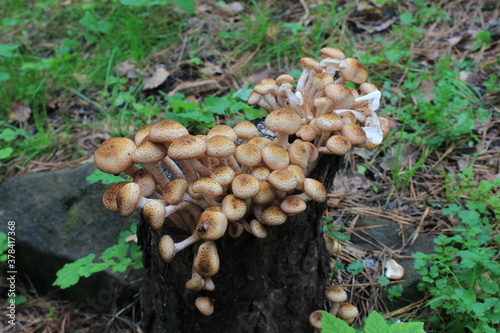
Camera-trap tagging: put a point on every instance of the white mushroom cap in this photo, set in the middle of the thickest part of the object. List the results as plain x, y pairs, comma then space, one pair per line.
393, 270
205, 305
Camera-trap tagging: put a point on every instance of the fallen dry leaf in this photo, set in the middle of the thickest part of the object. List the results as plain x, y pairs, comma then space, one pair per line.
159, 76
196, 87
127, 69
231, 9
350, 182
19, 111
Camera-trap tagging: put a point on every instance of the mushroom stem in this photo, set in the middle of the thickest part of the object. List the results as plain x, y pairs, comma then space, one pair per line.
158, 174
173, 168
187, 242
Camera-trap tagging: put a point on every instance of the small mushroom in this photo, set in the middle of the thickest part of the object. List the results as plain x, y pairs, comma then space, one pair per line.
393, 270
205, 305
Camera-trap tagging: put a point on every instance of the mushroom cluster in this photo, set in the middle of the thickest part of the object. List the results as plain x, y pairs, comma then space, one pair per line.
232, 180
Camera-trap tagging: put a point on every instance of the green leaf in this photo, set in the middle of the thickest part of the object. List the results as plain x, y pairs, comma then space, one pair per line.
6, 152
186, 5
103, 177
330, 324
70, 274
407, 328
383, 281
356, 267
7, 51
375, 323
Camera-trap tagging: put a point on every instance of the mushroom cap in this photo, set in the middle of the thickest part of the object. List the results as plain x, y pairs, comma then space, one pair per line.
299, 174
385, 126
283, 180
315, 319
207, 260
340, 95
310, 64
109, 196
205, 305
275, 157
355, 134
211, 225
348, 117
245, 186
254, 98
234, 208
332, 53
166, 248
128, 198
347, 311
338, 144
329, 122
187, 147
219, 146
266, 194
235, 229
284, 78
283, 121
315, 189
355, 71
393, 270
223, 174
293, 205
260, 142
142, 133
261, 172
273, 216
166, 131
195, 283
114, 155
207, 186
224, 130
246, 130
144, 177
367, 87
306, 133
321, 80
335, 294
248, 154
298, 153
149, 152
174, 190
258, 229
154, 214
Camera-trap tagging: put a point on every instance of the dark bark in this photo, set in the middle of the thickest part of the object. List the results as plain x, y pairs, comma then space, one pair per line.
264, 285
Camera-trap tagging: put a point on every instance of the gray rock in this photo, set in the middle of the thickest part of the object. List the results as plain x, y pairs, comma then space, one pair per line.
375, 233
59, 217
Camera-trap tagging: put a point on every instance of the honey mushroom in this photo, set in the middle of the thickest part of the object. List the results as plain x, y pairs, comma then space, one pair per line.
234, 181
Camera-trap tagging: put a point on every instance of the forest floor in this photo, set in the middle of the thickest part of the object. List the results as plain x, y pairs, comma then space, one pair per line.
423, 167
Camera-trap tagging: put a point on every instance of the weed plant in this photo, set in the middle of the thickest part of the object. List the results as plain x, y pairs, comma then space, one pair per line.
463, 274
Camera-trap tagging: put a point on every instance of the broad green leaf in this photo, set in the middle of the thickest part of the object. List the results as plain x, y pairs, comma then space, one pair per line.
356, 267
407, 328
330, 324
70, 274
375, 323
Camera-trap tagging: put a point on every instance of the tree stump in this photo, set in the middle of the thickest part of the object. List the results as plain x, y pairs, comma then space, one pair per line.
264, 285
